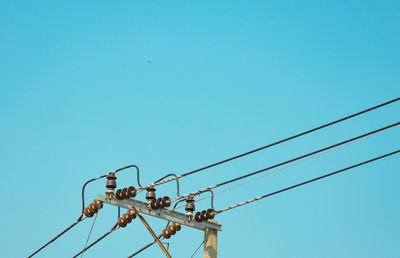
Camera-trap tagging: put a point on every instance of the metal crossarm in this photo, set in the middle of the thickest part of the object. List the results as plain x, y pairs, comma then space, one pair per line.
161, 213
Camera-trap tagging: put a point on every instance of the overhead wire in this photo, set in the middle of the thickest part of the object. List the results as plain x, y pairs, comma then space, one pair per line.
307, 182
290, 160
272, 144
277, 170
90, 232
206, 167
266, 174
177, 181
81, 218
115, 227
103, 176
54, 238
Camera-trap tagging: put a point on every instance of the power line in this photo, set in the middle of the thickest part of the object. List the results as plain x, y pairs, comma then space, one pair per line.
115, 227
54, 238
80, 218
291, 160
103, 176
143, 248
273, 144
266, 174
90, 232
306, 182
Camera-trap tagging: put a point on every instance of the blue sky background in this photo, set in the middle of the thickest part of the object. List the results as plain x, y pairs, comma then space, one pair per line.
78, 98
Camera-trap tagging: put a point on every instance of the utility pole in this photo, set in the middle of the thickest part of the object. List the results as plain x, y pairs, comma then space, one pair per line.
210, 227
210, 242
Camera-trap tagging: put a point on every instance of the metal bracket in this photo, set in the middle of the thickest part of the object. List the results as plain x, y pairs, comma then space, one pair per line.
161, 213
152, 233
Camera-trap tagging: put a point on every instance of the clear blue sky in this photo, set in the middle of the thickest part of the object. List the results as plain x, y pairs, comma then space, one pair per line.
88, 87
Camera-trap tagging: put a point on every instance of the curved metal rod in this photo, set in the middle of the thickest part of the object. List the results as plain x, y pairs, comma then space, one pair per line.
212, 197
103, 176
80, 218
130, 166
177, 181
83, 192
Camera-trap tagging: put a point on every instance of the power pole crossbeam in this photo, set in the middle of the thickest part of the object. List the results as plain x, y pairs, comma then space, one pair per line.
161, 213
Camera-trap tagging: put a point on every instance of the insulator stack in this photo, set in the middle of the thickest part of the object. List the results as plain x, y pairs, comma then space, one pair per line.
93, 208
150, 195
111, 183
204, 215
171, 230
189, 207
160, 203
126, 218
126, 193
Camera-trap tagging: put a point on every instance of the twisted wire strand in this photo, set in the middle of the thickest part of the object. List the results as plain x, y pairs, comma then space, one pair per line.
292, 160
306, 182
273, 144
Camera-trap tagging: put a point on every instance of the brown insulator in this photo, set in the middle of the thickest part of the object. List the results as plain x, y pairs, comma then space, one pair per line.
159, 203
118, 194
88, 213
127, 218
125, 193
172, 230
132, 191
166, 234
111, 183
151, 194
173, 227
122, 222
203, 215
177, 226
189, 207
210, 213
92, 208
166, 201
153, 204
132, 214
197, 217
98, 204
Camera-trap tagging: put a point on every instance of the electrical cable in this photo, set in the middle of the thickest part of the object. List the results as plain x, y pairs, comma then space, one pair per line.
306, 182
90, 232
269, 173
291, 160
177, 181
212, 197
214, 164
115, 227
197, 249
274, 171
273, 144
80, 218
103, 176
143, 248
54, 238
